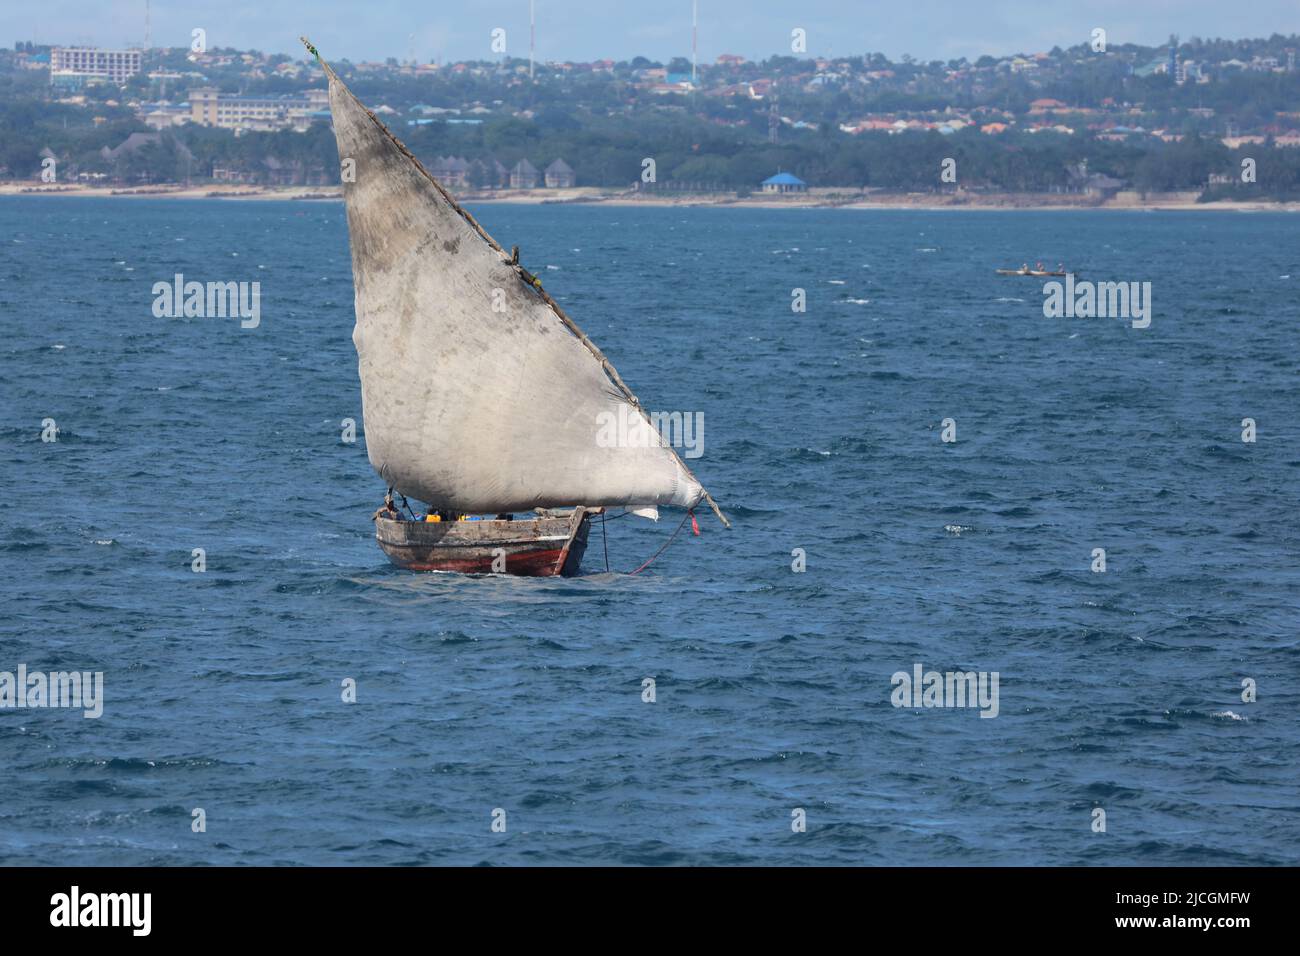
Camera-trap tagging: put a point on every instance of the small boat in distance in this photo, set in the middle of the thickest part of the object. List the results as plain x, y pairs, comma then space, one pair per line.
1039, 271
480, 396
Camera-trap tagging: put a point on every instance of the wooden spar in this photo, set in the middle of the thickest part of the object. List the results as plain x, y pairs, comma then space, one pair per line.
572, 326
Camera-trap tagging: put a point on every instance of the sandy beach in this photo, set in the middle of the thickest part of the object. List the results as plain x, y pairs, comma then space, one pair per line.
814, 199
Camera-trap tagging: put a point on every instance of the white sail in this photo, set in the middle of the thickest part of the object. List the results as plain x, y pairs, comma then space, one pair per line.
478, 394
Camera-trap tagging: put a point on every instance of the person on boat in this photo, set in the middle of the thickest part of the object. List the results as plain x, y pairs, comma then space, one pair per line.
1039, 267
1024, 267
389, 510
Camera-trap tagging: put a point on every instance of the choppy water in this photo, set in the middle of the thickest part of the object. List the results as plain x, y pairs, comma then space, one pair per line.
222, 690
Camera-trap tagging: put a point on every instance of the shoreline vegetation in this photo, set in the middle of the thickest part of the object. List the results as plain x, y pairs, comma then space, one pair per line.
813, 199
1178, 125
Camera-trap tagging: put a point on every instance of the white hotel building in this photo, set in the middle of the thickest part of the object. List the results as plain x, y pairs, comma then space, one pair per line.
74, 65
210, 107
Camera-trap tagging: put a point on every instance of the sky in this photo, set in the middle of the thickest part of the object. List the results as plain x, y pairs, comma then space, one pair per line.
584, 30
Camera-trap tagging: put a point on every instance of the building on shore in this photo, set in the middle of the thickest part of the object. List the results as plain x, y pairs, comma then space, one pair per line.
210, 107
487, 174
72, 67
560, 175
271, 172
479, 176
451, 171
524, 175
132, 161
1095, 185
163, 115
784, 183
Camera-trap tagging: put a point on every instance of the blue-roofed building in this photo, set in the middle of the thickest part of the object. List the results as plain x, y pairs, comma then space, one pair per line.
784, 183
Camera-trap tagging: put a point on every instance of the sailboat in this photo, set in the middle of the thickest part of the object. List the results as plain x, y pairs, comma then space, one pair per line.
1037, 273
480, 396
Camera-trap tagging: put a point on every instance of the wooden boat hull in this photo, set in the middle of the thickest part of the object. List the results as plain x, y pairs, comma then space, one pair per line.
551, 544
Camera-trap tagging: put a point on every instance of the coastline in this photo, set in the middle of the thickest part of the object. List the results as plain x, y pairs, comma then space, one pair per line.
825, 199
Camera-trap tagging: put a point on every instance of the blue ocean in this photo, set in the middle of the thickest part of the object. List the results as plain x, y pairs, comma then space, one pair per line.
503, 720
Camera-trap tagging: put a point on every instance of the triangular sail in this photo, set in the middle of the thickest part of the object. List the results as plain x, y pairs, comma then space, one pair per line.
479, 394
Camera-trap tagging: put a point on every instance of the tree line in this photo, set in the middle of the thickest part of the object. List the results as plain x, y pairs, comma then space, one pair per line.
609, 152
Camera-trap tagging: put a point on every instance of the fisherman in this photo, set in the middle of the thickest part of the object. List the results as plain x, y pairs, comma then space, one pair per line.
389, 510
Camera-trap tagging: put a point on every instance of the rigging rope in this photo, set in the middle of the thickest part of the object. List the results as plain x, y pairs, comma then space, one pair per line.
622, 514
689, 514
604, 536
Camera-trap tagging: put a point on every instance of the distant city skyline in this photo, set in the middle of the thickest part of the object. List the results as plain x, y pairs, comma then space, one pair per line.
573, 30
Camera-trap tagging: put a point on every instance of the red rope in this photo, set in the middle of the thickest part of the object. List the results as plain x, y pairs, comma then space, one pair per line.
665, 547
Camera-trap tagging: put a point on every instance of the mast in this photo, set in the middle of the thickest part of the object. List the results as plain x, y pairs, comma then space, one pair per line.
695, 18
